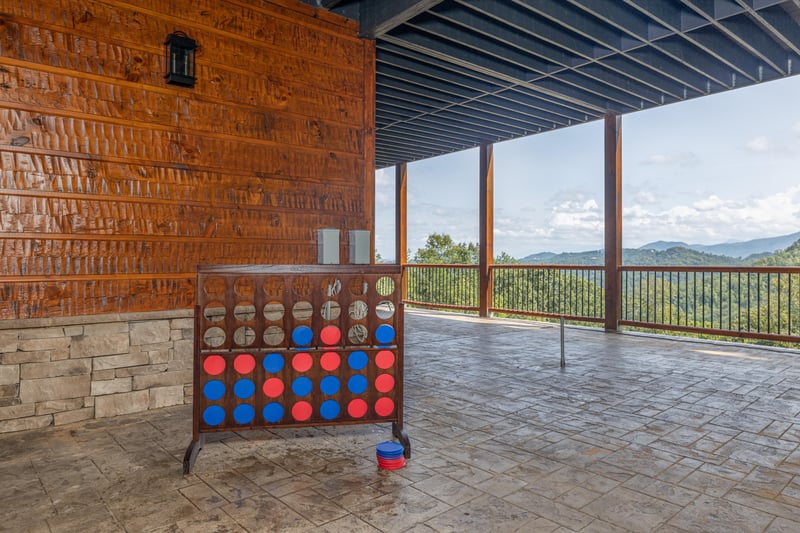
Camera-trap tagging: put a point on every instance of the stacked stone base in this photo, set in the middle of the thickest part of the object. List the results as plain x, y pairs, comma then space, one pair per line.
60, 371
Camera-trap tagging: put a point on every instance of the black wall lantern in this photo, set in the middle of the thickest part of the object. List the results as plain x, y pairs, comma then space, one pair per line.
180, 51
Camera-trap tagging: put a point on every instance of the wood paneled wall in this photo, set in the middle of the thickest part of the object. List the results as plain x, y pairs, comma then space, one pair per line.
115, 185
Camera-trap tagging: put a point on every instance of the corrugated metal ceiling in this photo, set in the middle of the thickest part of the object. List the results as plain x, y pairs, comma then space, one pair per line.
452, 74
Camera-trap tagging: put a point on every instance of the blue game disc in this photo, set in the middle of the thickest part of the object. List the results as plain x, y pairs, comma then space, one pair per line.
213, 415
273, 412
330, 385
301, 386
214, 390
273, 362
244, 413
357, 360
244, 388
302, 335
329, 409
389, 449
384, 334
357, 383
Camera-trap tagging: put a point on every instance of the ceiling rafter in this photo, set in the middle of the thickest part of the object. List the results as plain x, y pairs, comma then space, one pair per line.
538, 105
451, 74
523, 41
745, 34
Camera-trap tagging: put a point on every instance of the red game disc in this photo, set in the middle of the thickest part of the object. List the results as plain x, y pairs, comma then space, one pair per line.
273, 387
330, 335
330, 361
357, 408
214, 365
384, 359
301, 411
384, 382
244, 363
302, 362
384, 406
391, 462
395, 466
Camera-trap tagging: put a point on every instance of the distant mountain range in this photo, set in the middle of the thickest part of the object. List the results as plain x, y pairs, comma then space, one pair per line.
677, 253
731, 249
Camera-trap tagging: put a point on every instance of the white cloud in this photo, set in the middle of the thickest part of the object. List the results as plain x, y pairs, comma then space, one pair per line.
575, 222
645, 197
574, 219
714, 202
460, 223
683, 159
384, 189
572, 224
760, 143
785, 145
715, 219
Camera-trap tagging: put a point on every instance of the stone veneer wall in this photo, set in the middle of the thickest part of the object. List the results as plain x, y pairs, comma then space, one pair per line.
58, 371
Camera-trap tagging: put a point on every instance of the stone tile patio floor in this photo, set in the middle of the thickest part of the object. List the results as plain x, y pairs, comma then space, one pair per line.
637, 433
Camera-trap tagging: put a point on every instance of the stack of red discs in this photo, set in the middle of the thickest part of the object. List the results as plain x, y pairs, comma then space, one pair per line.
390, 455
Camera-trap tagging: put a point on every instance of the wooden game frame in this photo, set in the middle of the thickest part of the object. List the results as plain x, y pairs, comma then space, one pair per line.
253, 368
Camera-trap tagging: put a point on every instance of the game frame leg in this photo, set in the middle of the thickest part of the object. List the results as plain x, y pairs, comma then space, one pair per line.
192, 451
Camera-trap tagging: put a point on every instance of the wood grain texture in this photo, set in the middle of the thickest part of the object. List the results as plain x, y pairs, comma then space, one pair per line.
114, 186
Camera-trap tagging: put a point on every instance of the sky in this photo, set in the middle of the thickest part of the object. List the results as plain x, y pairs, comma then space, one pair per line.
715, 169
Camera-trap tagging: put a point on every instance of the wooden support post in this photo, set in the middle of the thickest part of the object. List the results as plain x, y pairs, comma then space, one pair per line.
369, 149
401, 219
486, 250
613, 220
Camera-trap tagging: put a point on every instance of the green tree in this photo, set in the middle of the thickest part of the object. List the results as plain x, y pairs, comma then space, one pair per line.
505, 259
440, 249
787, 257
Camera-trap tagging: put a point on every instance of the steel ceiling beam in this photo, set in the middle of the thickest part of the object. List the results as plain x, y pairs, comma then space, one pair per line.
452, 74
378, 17
524, 42
746, 35
506, 90
532, 66
507, 35
527, 22
779, 25
472, 60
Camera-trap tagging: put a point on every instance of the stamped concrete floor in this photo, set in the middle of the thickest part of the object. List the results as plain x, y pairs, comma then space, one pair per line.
636, 434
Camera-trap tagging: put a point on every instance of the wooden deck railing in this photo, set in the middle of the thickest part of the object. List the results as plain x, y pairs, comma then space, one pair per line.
746, 302
442, 286
572, 291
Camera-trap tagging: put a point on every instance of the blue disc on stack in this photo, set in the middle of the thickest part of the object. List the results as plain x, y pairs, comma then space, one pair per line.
389, 450
390, 455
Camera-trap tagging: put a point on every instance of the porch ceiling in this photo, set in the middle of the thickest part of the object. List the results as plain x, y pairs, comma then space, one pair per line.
452, 74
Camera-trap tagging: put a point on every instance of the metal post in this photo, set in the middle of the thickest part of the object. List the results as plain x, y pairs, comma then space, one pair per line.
563, 359
486, 230
401, 224
613, 220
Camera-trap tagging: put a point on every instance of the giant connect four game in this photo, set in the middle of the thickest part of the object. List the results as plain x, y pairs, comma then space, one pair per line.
290, 345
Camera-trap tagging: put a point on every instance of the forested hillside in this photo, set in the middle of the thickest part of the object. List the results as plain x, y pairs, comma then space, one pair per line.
788, 257
676, 256
740, 303
634, 256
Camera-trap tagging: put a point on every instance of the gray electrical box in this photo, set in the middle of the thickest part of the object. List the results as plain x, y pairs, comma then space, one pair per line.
328, 246
359, 247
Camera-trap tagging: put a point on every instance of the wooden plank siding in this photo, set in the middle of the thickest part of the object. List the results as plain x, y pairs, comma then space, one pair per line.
114, 186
